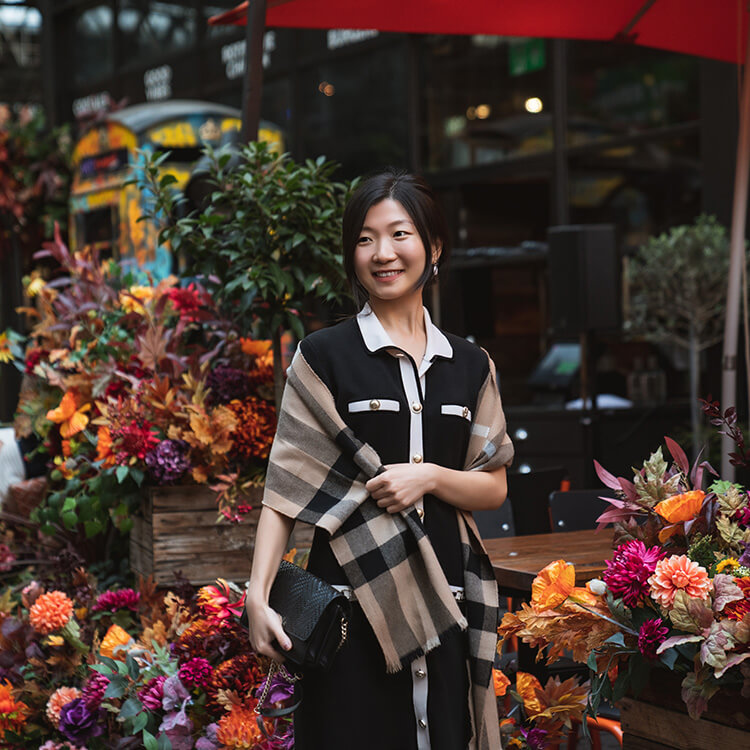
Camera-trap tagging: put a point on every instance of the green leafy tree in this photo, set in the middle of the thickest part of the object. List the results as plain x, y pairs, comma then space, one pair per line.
266, 240
678, 284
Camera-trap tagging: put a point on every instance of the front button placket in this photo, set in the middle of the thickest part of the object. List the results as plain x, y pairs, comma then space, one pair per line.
415, 394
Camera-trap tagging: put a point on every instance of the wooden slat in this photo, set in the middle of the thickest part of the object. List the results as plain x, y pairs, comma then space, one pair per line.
202, 521
674, 729
517, 560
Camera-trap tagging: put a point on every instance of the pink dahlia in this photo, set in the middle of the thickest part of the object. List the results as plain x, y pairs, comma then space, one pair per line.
61, 697
195, 672
93, 690
112, 601
152, 692
628, 571
678, 573
651, 635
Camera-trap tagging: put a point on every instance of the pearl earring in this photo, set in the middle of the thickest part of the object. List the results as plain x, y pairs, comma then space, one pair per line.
434, 269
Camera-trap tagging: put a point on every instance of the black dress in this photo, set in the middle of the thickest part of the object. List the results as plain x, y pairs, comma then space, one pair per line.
406, 412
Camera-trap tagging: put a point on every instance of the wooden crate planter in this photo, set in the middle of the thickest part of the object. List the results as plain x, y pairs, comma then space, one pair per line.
658, 719
177, 530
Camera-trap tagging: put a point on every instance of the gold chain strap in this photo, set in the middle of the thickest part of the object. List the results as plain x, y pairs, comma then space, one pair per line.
287, 675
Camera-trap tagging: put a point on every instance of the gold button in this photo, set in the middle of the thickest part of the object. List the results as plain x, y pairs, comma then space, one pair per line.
417, 458
420, 513
466, 411
416, 407
423, 723
420, 673
374, 404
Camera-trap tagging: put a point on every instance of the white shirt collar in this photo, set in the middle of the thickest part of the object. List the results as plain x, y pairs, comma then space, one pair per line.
376, 337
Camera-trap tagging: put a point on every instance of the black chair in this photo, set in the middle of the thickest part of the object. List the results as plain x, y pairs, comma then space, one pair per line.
529, 498
496, 523
577, 509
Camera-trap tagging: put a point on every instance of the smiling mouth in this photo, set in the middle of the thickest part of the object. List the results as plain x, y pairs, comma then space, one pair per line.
386, 274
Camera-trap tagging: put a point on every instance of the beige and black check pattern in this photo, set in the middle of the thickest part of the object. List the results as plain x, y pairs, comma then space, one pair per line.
317, 474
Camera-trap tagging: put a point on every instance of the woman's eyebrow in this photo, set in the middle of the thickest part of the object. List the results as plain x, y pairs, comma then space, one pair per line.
392, 224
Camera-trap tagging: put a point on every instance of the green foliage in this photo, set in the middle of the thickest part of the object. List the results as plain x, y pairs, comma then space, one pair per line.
266, 241
678, 284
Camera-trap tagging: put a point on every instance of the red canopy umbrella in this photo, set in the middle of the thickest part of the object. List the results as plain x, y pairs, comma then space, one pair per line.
717, 29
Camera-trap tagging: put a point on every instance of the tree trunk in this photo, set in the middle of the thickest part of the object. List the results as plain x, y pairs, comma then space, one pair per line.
278, 369
694, 391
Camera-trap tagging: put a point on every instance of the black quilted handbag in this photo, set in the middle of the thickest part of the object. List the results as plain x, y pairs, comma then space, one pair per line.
315, 616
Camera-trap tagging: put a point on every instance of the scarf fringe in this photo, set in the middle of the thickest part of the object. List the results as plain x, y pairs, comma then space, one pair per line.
392, 667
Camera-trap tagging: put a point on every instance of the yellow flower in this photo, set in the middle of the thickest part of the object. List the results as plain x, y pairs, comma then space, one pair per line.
116, 643
729, 562
136, 294
6, 355
35, 285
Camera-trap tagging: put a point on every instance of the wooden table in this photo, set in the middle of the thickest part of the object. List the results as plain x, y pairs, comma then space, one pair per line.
518, 559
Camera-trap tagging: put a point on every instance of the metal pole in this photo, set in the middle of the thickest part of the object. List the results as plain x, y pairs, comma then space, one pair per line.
736, 259
253, 81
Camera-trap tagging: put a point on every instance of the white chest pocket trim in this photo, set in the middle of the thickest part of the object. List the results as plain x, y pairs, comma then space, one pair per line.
374, 404
455, 410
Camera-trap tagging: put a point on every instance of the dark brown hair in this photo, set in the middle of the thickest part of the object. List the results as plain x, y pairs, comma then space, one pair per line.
418, 200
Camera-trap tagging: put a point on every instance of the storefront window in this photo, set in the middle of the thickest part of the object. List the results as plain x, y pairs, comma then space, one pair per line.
153, 28
616, 89
92, 44
354, 110
486, 99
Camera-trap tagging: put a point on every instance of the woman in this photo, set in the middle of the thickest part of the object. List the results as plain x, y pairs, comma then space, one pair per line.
391, 432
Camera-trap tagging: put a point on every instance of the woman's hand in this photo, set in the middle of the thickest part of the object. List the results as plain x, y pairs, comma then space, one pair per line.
400, 486
265, 629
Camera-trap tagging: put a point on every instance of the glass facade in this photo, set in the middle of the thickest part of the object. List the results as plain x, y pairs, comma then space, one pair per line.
151, 29
91, 44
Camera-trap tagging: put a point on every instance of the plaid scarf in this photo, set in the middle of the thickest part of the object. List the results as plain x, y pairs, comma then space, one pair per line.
317, 473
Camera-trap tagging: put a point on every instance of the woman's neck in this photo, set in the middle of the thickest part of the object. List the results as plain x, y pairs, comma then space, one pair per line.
403, 320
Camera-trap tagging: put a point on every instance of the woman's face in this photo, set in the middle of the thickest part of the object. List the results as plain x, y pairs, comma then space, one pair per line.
389, 257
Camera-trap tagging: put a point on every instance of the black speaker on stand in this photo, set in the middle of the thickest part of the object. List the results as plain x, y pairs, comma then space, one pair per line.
584, 300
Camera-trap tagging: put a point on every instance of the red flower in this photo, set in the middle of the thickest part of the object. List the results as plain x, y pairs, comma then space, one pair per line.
189, 302
628, 571
651, 635
737, 610
134, 438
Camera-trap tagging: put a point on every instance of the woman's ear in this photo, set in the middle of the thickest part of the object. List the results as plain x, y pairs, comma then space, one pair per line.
436, 251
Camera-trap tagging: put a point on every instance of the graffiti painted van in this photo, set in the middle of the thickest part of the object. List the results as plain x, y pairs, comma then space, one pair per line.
105, 210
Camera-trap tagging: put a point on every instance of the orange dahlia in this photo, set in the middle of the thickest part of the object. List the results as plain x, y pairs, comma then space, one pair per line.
256, 427
676, 573
13, 713
553, 585
682, 507
737, 610
50, 612
115, 643
239, 729
61, 697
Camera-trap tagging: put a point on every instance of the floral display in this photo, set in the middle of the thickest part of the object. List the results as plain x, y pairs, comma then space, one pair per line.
128, 385
674, 596
176, 669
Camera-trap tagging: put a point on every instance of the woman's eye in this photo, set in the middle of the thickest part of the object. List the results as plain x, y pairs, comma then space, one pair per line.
400, 233
363, 240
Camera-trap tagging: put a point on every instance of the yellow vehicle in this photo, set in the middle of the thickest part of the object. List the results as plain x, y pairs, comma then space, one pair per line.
104, 210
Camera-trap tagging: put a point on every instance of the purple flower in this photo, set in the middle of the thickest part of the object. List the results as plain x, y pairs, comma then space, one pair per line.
178, 727
742, 516
536, 738
152, 693
93, 690
195, 672
227, 383
168, 461
628, 571
112, 601
210, 741
744, 558
175, 694
279, 692
651, 635
78, 722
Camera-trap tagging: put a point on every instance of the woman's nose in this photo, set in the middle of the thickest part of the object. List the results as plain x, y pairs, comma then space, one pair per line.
383, 252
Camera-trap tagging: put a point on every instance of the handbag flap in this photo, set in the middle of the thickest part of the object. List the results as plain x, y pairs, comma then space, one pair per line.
300, 598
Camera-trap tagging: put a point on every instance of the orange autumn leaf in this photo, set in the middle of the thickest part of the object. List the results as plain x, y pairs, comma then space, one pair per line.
104, 446
71, 418
682, 507
553, 585
500, 682
581, 595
